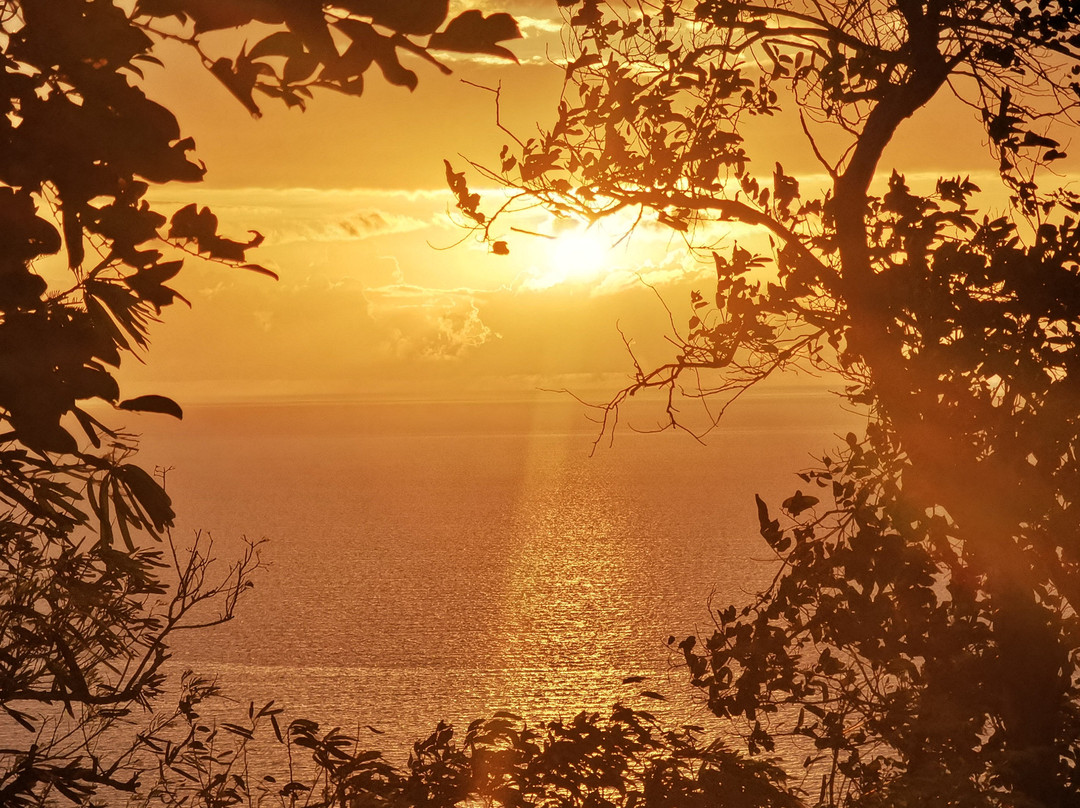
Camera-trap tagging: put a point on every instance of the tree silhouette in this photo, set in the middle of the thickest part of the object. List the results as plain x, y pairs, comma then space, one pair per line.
92, 587
620, 760
920, 642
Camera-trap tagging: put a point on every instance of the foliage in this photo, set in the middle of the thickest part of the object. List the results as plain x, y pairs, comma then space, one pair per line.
91, 592
617, 761
85, 630
920, 642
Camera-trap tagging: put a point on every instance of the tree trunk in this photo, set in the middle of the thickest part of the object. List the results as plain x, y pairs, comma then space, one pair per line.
1026, 676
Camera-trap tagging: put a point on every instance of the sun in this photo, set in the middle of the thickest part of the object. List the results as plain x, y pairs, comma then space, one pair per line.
575, 255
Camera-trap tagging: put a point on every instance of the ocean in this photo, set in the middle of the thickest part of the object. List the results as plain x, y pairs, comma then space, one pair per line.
439, 561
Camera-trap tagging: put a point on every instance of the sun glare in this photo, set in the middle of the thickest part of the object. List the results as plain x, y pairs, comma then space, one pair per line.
577, 255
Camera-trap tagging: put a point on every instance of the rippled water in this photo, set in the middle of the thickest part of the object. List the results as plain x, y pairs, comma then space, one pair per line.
442, 561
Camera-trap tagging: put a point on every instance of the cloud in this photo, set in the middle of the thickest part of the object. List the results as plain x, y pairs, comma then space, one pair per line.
277, 206
427, 324
398, 276
293, 218
541, 25
656, 276
612, 257
355, 226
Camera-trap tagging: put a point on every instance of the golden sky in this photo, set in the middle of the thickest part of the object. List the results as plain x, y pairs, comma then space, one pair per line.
351, 198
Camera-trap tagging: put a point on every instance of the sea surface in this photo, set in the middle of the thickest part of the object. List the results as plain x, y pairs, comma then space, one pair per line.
440, 561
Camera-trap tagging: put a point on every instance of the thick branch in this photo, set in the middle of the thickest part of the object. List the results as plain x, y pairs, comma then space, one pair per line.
730, 210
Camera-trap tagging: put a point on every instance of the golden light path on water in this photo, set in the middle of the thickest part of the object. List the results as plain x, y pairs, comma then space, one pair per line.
566, 589
444, 561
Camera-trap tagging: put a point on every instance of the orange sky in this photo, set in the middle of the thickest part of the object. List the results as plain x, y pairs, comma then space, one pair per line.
351, 197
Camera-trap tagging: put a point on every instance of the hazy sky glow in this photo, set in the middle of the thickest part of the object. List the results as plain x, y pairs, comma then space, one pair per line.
352, 200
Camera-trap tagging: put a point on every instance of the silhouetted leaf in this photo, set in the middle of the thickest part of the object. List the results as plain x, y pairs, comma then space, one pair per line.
414, 17
799, 502
152, 403
472, 32
239, 79
467, 202
279, 43
148, 494
261, 270
236, 729
193, 224
770, 528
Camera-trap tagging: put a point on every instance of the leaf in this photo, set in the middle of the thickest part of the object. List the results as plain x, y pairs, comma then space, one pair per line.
385, 55
1031, 139
652, 694
261, 270
420, 17
88, 422
585, 60
152, 403
148, 494
785, 188
279, 43
190, 223
472, 32
798, 502
41, 431
236, 729
92, 382
148, 284
113, 308
500, 248
239, 81
73, 233
290, 790
24, 719
769, 528
467, 202
299, 67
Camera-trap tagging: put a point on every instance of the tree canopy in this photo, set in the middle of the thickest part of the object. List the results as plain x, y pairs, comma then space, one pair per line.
920, 642
91, 590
